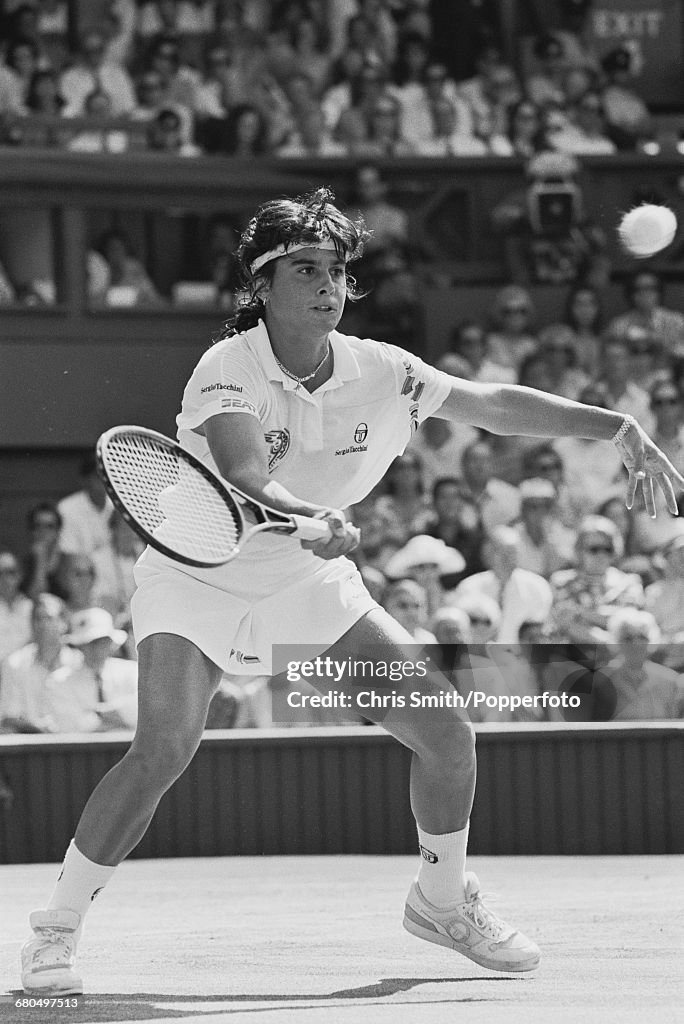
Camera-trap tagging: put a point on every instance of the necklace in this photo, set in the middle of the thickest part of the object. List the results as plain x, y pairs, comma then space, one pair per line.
309, 376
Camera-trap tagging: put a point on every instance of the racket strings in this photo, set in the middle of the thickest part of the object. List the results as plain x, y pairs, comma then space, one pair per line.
171, 499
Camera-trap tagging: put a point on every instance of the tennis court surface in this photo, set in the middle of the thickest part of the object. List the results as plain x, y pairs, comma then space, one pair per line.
318, 940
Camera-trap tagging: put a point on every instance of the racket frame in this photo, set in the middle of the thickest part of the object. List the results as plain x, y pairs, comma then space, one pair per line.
267, 519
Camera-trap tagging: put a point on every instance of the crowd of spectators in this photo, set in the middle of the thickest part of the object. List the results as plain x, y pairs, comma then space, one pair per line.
516, 542
514, 557
305, 78
490, 547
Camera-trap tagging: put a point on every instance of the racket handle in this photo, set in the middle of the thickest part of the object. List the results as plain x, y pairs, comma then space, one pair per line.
311, 529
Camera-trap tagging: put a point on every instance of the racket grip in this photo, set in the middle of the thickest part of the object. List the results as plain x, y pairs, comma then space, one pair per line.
311, 529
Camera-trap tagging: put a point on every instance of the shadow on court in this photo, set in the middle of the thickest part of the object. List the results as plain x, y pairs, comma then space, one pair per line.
142, 1006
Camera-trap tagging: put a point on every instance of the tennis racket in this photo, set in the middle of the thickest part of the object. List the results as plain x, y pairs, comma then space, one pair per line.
176, 504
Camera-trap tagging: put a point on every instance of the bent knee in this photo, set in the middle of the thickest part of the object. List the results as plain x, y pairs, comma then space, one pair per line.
163, 758
447, 738
454, 740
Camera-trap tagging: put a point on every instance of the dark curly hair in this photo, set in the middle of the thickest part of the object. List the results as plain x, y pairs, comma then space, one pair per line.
310, 218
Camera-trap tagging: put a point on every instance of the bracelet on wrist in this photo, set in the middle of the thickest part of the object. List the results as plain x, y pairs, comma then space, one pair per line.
622, 429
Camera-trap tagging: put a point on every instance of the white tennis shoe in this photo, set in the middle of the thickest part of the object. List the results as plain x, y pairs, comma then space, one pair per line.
471, 929
47, 959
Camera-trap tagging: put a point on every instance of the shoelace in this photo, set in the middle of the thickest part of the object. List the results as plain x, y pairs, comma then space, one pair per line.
483, 918
53, 941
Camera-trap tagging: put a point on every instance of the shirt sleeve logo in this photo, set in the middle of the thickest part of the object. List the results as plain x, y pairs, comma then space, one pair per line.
361, 433
279, 444
410, 387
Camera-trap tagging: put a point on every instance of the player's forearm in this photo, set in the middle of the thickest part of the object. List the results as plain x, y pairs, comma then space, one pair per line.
271, 492
513, 409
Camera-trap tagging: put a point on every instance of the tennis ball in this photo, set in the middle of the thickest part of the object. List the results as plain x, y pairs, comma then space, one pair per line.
647, 229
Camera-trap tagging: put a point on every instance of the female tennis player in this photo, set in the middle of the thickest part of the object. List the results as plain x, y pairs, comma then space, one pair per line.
307, 421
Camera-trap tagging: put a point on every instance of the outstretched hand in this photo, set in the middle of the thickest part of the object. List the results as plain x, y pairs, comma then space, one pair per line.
647, 465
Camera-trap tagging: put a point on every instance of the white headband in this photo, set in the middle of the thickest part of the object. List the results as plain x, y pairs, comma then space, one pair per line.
282, 250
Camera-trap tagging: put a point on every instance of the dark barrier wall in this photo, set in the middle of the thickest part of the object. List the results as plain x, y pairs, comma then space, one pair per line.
581, 789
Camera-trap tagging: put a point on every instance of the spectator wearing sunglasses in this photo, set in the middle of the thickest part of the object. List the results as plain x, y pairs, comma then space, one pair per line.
632, 560
475, 663
585, 597
519, 594
557, 345
44, 523
512, 337
647, 309
542, 461
667, 407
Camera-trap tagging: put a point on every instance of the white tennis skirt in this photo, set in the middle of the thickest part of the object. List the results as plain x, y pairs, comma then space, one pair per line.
238, 634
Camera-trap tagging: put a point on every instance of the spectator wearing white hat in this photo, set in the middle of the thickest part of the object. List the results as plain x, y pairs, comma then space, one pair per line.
427, 560
483, 615
545, 544
100, 694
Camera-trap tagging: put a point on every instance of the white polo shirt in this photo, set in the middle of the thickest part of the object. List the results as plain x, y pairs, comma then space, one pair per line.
330, 447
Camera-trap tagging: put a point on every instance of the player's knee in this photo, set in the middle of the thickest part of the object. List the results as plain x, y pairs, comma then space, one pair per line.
450, 742
161, 760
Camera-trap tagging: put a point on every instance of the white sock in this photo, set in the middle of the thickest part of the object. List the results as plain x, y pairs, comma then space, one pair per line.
441, 876
79, 882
